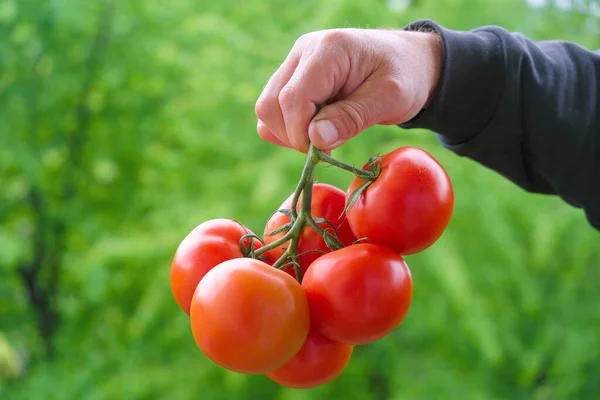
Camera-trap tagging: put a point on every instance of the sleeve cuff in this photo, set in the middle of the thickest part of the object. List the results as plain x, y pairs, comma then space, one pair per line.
472, 79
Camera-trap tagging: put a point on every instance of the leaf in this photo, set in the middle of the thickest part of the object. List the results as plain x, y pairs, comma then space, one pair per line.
325, 221
281, 229
375, 165
286, 212
362, 240
355, 195
332, 241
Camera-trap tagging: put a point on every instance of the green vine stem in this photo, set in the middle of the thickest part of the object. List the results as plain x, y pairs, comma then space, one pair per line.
302, 218
361, 173
299, 220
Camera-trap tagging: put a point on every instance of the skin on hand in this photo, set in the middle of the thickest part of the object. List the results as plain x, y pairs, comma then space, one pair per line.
369, 76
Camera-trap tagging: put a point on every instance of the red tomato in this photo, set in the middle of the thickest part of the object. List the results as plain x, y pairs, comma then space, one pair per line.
358, 294
249, 317
409, 205
208, 245
320, 361
328, 202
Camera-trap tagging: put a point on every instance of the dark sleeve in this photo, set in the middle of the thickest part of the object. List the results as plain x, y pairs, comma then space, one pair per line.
527, 110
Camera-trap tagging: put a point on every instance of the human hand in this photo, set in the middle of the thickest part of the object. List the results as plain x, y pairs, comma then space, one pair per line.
369, 76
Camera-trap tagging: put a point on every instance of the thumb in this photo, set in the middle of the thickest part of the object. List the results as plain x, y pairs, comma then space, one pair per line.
340, 121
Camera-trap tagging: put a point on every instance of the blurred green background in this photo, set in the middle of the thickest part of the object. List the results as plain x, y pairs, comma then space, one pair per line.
124, 124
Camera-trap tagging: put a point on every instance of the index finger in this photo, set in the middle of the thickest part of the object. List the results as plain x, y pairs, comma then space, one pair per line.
267, 107
317, 78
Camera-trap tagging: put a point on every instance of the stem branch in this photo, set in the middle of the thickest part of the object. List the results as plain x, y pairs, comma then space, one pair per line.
313, 224
308, 172
361, 173
282, 240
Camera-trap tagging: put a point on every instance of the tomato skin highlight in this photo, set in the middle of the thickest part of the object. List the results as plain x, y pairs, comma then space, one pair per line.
358, 294
408, 207
327, 202
320, 361
205, 247
249, 317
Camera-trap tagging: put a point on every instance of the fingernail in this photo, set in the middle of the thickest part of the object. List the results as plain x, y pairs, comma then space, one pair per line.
327, 131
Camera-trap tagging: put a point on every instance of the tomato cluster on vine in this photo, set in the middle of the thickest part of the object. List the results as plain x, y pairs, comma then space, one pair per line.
327, 274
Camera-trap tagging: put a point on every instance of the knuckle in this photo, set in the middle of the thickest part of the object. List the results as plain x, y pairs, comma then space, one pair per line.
402, 96
335, 37
303, 39
396, 88
263, 107
287, 96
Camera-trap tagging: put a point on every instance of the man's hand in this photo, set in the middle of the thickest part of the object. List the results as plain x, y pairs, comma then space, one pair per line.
370, 77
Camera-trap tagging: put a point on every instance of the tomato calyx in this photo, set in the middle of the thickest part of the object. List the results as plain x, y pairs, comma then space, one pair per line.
247, 244
331, 239
368, 178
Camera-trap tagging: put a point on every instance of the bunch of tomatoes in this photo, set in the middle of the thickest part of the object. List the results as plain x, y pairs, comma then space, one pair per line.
328, 273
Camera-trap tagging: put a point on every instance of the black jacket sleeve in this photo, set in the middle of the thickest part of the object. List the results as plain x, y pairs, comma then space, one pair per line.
528, 110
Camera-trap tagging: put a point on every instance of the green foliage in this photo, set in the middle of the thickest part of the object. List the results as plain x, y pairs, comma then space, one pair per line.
124, 124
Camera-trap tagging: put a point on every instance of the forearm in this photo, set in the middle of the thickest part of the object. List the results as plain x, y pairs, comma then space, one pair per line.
524, 109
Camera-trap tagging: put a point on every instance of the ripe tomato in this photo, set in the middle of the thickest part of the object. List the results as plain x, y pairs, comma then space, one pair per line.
358, 294
208, 245
327, 202
409, 205
320, 361
249, 317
